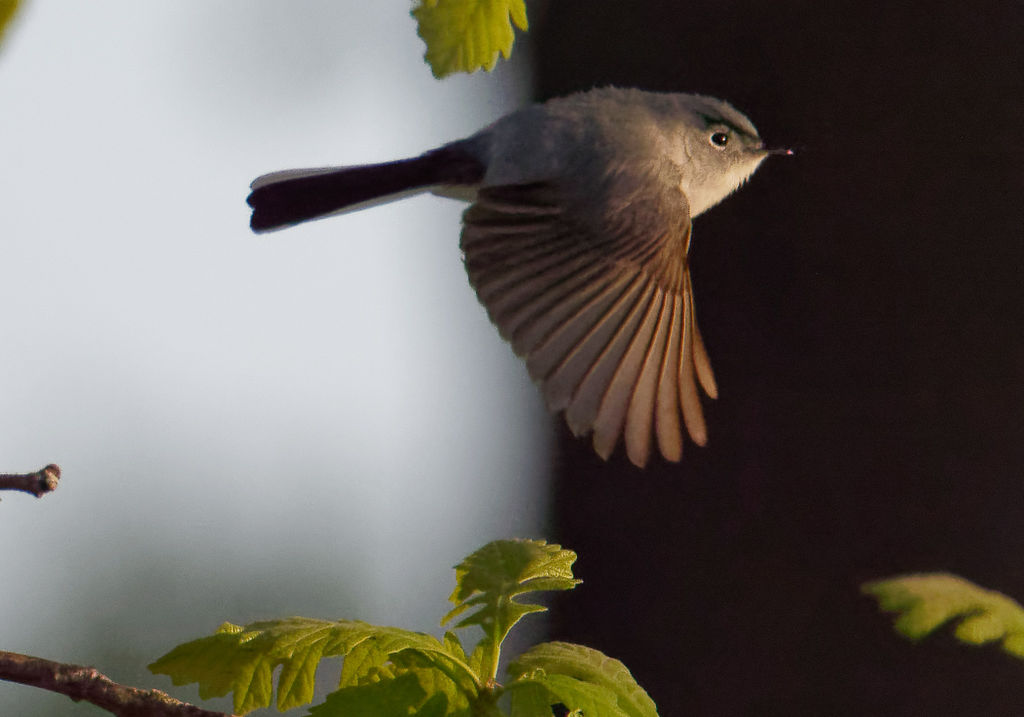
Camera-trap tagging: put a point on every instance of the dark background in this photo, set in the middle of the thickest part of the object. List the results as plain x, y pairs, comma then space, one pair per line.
861, 303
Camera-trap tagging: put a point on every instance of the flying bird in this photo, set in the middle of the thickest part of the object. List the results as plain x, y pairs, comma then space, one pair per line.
576, 242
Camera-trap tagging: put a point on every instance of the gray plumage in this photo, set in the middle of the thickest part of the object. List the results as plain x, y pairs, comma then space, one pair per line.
576, 243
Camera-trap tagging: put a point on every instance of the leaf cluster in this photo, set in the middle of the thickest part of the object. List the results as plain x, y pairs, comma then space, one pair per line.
926, 602
467, 35
7, 10
392, 672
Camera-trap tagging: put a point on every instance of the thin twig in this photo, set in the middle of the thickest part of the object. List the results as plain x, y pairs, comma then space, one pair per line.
87, 683
38, 484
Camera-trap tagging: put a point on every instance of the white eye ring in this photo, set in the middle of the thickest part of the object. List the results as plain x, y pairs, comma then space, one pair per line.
718, 140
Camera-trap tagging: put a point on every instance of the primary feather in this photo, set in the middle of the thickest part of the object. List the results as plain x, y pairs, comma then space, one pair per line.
576, 243
599, 310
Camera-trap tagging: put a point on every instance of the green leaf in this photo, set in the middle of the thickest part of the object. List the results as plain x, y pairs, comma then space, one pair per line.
365, 662
453, 645
578, 696
436, 706
7, 10
579, 676
479, 656
369, 663
490, 578
390, 698
241, 660
436, 663
466, 35
530, 699
503, 569
928, 601
456, 701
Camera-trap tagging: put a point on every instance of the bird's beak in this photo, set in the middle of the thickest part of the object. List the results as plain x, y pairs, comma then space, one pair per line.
779, 150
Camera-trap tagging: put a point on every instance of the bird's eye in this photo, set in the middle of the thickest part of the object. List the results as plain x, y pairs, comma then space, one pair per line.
719, 139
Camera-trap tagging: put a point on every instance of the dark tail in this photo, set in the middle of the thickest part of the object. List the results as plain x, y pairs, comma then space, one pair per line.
282, 199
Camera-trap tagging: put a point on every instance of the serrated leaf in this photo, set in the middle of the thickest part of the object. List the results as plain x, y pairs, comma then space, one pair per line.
478, 656
440, 663
467, 35
7, 10
241, 660
365, 662
549, 662
530, 699
435, 706
457, 701
577, 696
504, 569
453, 645
490, 579
396, 697
928, 601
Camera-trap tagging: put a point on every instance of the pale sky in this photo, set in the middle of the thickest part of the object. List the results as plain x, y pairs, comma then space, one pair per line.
320, 421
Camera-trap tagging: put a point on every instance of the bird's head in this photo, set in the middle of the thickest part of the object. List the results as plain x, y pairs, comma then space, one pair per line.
722, 149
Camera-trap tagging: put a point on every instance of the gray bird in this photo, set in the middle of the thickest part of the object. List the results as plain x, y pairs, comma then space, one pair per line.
576, 243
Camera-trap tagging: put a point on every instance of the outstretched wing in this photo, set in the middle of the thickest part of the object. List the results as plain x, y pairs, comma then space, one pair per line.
593, 290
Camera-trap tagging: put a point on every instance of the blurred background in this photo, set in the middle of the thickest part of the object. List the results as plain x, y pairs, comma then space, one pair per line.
253, 427
321, 422
863, 307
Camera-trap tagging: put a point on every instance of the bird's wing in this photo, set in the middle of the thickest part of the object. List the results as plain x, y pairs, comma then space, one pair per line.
599, 303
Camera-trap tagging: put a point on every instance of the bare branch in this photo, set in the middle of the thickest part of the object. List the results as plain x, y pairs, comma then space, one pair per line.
38, 484
87, 683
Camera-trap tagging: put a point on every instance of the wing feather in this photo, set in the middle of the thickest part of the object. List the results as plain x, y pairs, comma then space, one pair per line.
640, 417
569, 337
564, 379
537, 319
601, 307
530, 312
666, 423
700, 355
583, 410
527, 280
689, 399
611, 416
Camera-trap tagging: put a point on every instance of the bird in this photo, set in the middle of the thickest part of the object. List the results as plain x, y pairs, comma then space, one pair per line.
576, 241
